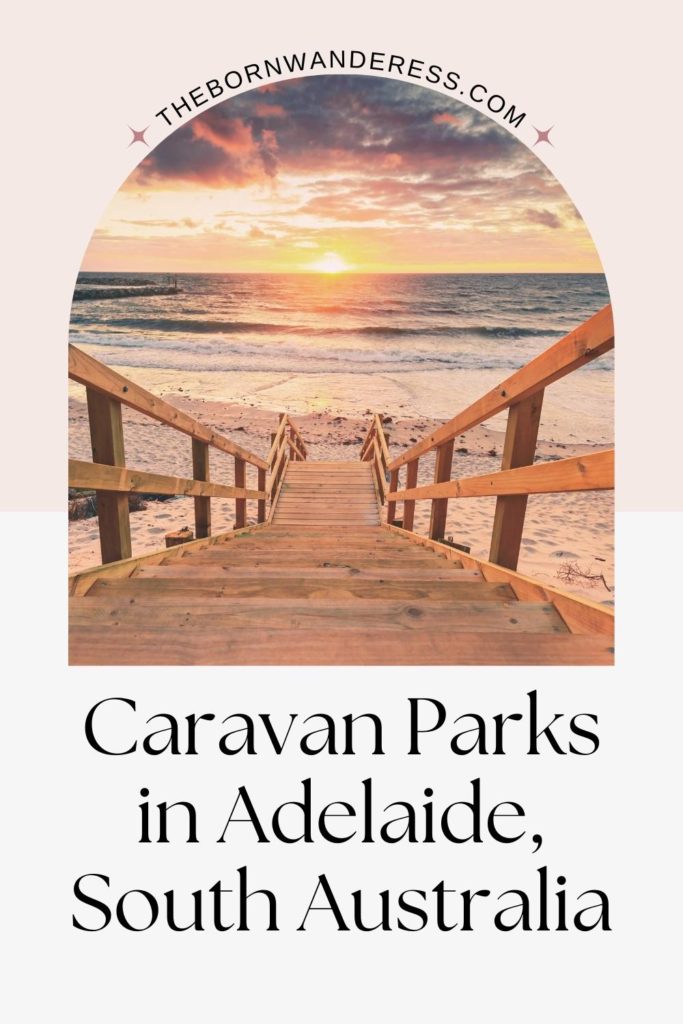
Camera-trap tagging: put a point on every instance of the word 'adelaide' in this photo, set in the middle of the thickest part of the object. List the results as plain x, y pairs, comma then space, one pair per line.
113, 727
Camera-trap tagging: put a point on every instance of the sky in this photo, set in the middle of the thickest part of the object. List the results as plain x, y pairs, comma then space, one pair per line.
341, 173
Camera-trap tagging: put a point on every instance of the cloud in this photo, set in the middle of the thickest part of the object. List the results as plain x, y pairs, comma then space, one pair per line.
327, 122
184, 222
544, 217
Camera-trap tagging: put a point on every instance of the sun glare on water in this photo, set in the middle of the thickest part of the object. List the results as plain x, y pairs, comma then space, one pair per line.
331, 263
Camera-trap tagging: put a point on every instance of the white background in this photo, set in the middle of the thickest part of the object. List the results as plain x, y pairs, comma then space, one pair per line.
78, 75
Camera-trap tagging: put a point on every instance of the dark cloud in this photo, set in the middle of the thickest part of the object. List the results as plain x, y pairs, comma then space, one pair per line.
331, 123
544, 217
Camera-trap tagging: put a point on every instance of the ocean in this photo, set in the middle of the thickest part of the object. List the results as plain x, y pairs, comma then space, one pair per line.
407, 344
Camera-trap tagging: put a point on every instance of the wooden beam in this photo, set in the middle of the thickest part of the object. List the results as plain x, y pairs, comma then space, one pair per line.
379, 431
409, 506
442, 473
588, 341
276, 471
200, 471
106, 438
240, 503
368, 439
297, 433
261, 506
379, 472
95, 375
391, 507
521, 436
593, 472
275, 442
91, 476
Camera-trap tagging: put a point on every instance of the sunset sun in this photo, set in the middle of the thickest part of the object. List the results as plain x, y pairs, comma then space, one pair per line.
331, 263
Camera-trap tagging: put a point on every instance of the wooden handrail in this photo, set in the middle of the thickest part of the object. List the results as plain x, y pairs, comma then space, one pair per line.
594, 472
93, 476
588, 341
295, 430
101, 378
106, 392
522, 395
286, 439
275, 446
375, 451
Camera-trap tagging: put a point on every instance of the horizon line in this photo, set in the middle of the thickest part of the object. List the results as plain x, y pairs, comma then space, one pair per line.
354, 273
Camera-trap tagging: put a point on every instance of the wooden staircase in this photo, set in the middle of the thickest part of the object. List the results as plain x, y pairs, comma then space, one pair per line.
323, 583
328, 574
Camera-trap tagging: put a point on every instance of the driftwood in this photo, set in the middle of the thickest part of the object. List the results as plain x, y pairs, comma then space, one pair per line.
572, 572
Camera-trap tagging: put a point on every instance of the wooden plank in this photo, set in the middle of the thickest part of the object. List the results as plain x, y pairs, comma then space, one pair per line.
409, 506
240, 484
582, 615
368, 438
209, 616
90, 475
319, 557
92, 645
313, 561
588, 341
594, 472
261, 505
379, 474
200, 471
393, 486
86, 370
381, 438
521, 435
442, 472
276, 438
297, 434
106, 438
276, 472
184, 569
280, 592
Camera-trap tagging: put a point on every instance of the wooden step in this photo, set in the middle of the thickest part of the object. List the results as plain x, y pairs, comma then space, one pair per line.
184, 569
180, 590
123, 645
317, 556
328, 542
214, 616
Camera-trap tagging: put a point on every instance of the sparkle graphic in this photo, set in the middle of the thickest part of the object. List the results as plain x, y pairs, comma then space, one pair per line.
543, 136
138, 136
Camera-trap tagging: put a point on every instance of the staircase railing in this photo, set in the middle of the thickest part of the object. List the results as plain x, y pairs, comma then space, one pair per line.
522, 395
287, 445
106, 392
375, 450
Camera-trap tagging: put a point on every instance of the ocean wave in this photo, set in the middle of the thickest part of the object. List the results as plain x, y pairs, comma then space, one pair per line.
218, 327
244, 357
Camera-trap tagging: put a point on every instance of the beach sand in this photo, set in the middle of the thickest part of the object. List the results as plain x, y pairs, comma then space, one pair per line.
560, 530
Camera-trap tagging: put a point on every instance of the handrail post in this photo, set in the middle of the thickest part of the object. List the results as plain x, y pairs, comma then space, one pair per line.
391, 506
200, 471
261, 503
442, 472
409, 506
106, 439
240, 503
519, 449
